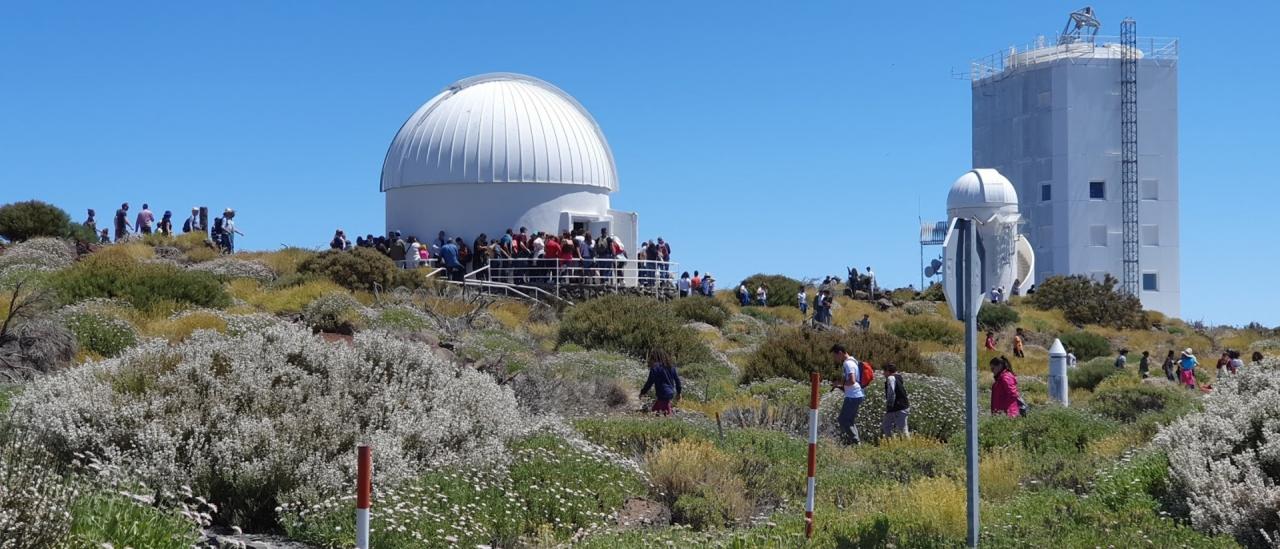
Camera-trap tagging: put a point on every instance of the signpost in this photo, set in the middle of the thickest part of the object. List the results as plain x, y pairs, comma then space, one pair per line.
962, 284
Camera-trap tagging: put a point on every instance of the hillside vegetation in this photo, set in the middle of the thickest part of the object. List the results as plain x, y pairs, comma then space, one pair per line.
153, 389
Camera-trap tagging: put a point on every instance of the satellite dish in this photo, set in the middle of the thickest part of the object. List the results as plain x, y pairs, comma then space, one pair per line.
1026, 261
930, 271
937, 265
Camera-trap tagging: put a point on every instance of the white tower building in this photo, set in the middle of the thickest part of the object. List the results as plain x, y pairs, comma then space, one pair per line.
501, 151
1048, 116
989, 198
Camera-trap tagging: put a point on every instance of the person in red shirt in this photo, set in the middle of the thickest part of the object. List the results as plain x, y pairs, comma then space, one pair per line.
1005, 399
696, 282
991, 341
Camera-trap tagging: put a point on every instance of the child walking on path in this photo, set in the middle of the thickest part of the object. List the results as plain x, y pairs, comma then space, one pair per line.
664, 380
896, 404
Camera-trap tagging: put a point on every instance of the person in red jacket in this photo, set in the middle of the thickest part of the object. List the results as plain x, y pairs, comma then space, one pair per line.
1005, 399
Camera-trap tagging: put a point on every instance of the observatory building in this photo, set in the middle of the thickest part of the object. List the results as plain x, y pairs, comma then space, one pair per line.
989, 198
1086, 128
501, 151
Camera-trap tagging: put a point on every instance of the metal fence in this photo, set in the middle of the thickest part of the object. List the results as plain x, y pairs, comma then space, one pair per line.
559, 275
1158, 49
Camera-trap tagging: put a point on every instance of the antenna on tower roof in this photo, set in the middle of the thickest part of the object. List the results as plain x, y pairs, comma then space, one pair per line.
1081, 24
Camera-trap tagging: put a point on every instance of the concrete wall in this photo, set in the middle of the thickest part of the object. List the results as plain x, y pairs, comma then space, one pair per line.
1058, 124
469, 209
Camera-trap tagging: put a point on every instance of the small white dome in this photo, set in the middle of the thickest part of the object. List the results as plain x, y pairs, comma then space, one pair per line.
981, 192
500, 128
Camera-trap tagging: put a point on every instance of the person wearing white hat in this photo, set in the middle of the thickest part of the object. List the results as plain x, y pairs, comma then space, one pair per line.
709, 285
1187, 365
192, 224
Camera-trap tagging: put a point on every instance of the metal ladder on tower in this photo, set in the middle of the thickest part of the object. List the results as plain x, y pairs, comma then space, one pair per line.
1129, 153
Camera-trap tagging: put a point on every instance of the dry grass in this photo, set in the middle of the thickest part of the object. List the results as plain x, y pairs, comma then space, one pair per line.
180, 328
693, 467
932, 504
136, 251
284, 261
1115, 445
1000, 473
513, 315
289, 300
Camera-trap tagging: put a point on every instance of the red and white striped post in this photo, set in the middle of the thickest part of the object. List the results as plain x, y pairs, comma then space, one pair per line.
814, 381
364, 485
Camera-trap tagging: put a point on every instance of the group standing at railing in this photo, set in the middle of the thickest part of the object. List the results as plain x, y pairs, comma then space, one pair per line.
519, 257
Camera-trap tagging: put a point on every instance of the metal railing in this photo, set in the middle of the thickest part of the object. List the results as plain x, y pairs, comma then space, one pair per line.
1159, 49
553, 277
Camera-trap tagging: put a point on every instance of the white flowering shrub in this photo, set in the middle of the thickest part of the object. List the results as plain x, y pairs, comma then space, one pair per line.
35, 500
937, 407
336, 312
551, 489
231, 267
247, 418
1226, 459
49, 254
100, 333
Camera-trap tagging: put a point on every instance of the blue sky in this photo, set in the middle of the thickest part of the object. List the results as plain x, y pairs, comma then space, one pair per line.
757, 136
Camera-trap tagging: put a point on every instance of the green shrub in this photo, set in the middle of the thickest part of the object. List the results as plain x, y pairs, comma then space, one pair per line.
358, 269
1089, 374
144, 285
401, 318
917, 328
933, 293
1085, 301
1052, 439
633, 325
794, 352
635, 436
1126, 508
1086, 345
106, 518
101, 334
781, 289
1127, 404
996, 316
23, 220
336, 312
701, 309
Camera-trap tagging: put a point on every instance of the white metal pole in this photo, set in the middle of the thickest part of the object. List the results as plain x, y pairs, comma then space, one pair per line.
968, 252
1058, 385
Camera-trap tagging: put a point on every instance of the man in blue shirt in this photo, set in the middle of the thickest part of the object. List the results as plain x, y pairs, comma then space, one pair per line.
449, 255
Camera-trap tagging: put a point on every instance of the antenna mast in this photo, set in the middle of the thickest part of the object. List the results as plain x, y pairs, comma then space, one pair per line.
1129, 151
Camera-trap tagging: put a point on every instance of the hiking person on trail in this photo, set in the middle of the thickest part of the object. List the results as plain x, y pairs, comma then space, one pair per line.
1170, 371
1122, 359
165, 227
1144, 365
1187, 364
762, 296
744, 295
684, 285
1234, 365
1071, 359
1223, 361
1005, 399
122, 222
865, 323
145, 219
802, 301
664, 380
1018, 344
709, 285
192, 224
850, 383
991, 341
90, 222
896, 405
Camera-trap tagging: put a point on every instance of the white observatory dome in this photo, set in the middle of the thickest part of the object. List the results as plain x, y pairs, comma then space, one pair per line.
981, 193
500, 128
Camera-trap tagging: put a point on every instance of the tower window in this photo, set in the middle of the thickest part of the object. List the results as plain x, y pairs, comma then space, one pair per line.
1097, 190
1098, 235
1150, 282
1150, 235
1046, 192
1150, 189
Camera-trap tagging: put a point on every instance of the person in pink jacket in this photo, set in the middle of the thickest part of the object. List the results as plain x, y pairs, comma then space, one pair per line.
1005, 399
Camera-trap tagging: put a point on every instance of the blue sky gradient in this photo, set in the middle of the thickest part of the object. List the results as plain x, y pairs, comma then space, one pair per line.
798, 138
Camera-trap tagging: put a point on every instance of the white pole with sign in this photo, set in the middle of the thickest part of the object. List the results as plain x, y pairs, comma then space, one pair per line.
962, 285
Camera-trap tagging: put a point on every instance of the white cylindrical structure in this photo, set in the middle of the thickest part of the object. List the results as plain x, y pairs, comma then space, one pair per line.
502, 151
988, 198
1058, 387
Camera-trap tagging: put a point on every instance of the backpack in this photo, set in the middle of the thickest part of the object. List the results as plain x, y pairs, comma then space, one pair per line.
866, 374
217, 225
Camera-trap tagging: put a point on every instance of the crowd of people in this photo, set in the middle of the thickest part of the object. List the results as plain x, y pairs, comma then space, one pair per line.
223, 232
521, 256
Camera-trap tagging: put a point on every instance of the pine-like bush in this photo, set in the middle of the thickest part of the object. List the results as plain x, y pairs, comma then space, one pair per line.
781, 289
633, 325
1086, 301
24, 220
920, 328
358, 269
794, 352
996, 316
1086, 345
1089, 374
701, 309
